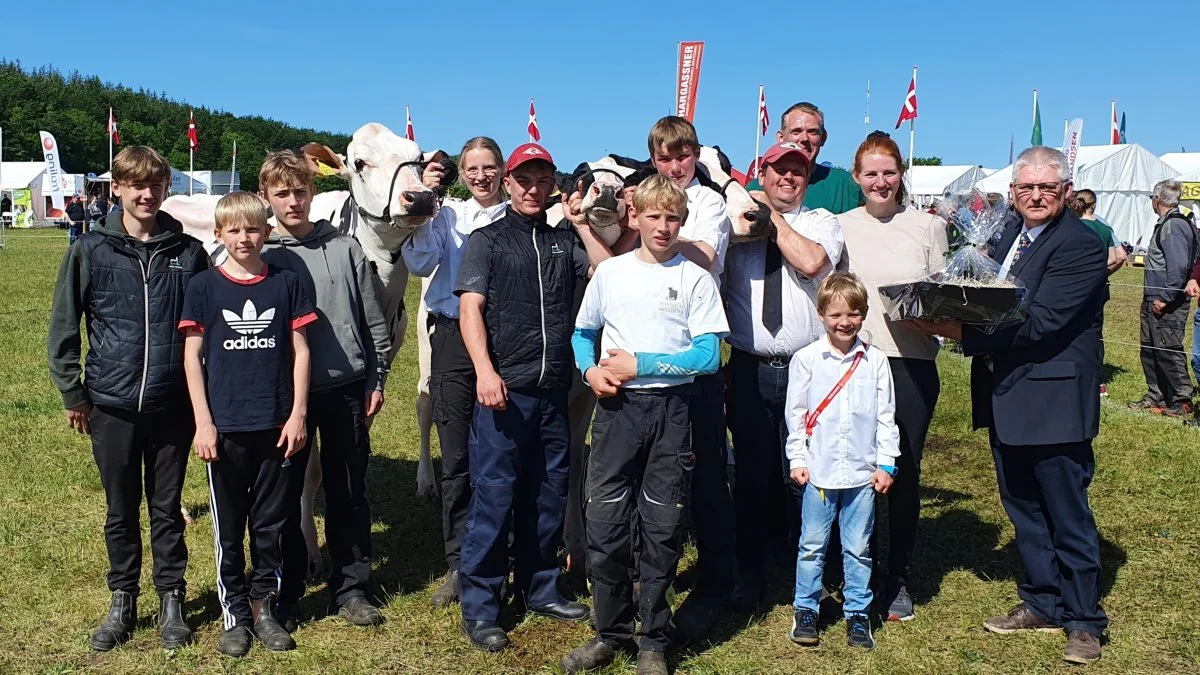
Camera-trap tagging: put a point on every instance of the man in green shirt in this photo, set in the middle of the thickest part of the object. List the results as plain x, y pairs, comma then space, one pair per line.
832, 189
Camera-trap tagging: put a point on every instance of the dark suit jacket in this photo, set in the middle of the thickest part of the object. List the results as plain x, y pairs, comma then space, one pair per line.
1040, 381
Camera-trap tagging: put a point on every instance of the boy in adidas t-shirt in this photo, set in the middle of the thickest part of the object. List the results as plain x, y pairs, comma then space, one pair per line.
662, 320
247, 366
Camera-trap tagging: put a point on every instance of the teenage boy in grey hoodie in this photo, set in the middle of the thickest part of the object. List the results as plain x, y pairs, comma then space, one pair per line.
349, 347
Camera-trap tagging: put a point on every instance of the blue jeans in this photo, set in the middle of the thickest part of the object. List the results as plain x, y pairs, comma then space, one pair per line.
854, 509
1196, 343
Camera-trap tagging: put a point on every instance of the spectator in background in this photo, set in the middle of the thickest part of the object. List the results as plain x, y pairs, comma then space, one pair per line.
97, 211
75, 217
1084, 206
1169, 259
829, 188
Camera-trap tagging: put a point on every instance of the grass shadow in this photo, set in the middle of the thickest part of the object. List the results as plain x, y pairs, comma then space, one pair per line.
409, 549
1109, 372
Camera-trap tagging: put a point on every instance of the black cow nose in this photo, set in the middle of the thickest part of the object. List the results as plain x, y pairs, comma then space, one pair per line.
607, 201
422, 203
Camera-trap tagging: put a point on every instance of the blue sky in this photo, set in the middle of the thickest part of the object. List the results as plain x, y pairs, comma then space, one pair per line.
602, 73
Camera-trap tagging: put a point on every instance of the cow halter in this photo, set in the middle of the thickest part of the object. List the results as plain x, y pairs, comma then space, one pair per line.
386, 217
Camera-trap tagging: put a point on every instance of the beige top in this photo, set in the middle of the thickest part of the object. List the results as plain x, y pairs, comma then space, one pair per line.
908, 247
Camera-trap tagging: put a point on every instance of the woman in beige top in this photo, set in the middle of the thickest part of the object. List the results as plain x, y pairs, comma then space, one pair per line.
888, 243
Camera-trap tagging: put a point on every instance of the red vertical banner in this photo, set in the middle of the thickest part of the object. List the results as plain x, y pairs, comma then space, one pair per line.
688, 79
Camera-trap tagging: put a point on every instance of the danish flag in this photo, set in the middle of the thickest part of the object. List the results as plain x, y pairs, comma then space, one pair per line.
408, 127
112, 127
764, 121
534, 132
909, 111
193, 139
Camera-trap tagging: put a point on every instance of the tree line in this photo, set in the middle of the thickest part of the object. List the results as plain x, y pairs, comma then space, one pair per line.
75, 109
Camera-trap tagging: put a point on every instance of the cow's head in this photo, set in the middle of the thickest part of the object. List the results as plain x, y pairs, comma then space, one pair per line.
384, 173
749, 218
603, 185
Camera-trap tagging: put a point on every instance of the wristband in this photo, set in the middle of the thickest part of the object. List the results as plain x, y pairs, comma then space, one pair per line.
889, 468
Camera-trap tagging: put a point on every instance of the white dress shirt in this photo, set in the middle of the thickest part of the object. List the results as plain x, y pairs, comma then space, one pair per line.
857, 433
1032, 233
744, 289
436, 248
707, 222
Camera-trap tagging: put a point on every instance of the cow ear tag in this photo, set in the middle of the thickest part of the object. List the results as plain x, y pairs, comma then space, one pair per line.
324, 169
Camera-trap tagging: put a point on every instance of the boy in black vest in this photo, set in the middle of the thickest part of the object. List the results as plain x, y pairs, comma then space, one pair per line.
247, 366
127, 278
516, 284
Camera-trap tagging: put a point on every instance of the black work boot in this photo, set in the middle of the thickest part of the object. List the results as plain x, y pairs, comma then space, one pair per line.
447, 594
172, 629
266, 628
118, 625
235, 641
593, 655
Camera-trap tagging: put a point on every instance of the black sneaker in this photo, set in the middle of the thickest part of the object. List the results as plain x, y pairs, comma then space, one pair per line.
804, 628
858, 632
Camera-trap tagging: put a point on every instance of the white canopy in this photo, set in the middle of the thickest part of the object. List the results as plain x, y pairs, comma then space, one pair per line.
18, 175
1122, 176
179, 182
33, 176
1183, 162
927, 183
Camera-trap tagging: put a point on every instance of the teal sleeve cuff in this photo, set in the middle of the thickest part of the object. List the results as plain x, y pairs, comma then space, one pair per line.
889, 468
583, 343
702, 358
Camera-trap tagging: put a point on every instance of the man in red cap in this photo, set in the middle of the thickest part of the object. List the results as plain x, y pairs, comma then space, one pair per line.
770, 288
515, 287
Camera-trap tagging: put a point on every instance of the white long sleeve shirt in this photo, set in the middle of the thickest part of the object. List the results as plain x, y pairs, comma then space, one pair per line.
436, 248
857, 433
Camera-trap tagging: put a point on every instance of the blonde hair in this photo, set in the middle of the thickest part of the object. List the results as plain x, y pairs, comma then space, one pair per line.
844, 286
660, 192
284, 167
140, 164
240, 207
674, 134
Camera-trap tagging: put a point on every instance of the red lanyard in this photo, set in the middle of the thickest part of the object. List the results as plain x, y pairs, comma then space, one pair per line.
811, 420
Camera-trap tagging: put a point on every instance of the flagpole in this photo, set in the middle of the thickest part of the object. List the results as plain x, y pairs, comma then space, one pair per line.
757, 129
109, 153
912, 128
867, 113
233, 171
1035, 107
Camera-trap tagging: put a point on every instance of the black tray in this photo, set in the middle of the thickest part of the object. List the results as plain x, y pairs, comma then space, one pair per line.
935, 300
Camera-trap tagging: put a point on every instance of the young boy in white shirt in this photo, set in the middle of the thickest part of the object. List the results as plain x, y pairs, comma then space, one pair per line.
842, 446
662, 320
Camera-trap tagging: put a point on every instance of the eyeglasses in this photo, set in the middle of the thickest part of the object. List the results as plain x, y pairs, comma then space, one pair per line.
1027, 189
488, 171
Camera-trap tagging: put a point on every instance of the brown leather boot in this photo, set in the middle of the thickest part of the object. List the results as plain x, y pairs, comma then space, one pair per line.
1018, 619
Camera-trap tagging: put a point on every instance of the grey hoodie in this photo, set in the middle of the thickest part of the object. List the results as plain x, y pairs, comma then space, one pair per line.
351, 340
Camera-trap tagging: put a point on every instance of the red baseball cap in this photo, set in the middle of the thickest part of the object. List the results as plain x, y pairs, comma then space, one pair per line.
780, 150
528, 153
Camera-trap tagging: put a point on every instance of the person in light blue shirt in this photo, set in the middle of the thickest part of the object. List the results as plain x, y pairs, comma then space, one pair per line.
435, 251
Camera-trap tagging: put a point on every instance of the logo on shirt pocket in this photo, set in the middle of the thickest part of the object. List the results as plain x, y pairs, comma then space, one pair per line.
671, 303
556, 249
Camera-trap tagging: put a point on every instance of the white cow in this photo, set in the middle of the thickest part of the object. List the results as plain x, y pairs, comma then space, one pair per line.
385, 202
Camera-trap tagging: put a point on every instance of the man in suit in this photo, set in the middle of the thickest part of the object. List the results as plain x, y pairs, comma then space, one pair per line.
1034, 386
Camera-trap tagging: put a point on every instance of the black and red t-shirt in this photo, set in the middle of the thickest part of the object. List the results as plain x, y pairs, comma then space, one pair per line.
247, 329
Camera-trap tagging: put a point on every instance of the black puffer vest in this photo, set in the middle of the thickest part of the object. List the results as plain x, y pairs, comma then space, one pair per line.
528, 310
134, 299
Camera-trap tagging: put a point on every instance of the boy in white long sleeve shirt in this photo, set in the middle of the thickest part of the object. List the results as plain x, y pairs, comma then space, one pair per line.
842, 446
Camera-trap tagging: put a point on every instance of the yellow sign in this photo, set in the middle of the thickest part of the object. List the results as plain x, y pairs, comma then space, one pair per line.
1191, 191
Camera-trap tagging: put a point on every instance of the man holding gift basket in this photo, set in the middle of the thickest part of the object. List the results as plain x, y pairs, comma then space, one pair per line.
1033, 386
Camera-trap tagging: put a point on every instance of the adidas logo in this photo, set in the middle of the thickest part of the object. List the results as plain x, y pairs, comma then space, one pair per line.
249, 324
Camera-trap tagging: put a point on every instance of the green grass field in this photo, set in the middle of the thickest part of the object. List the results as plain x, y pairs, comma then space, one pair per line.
52, 560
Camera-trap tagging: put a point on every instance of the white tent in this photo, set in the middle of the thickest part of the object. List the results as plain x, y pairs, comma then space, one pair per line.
1122, 176
33, 176
927, 183
179, 183
1183, 162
